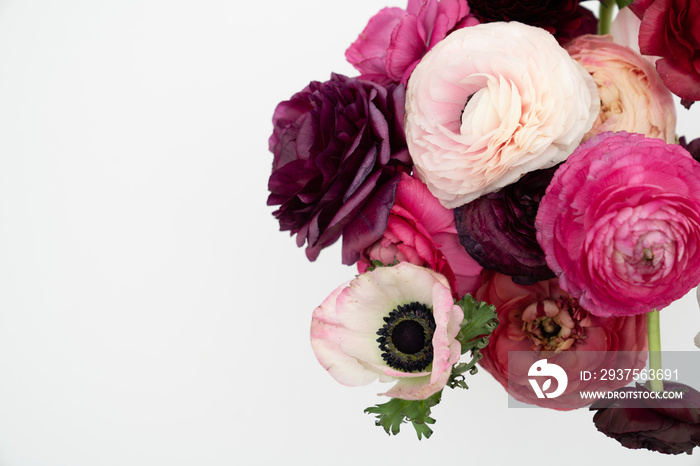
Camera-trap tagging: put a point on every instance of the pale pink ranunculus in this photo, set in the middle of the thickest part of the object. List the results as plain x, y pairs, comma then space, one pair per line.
394, 40
421, 231
633, 97
492, 102
411, 309
620, 224
543, 321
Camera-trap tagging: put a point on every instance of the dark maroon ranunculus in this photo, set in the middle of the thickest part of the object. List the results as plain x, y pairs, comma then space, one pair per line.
670, 30
665, 426
498, 229
565, 19
693, 146
339, 150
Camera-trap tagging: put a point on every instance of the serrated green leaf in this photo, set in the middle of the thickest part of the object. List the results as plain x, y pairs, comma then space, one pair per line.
392, 414
480, 320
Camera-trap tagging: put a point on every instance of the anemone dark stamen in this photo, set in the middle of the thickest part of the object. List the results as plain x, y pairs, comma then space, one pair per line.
406, 339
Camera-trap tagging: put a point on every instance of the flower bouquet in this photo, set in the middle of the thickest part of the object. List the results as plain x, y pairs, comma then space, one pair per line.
508, 182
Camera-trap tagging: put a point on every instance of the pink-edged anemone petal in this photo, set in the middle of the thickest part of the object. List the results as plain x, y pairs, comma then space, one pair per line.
422, 388
344, 329
327, 336
446, 314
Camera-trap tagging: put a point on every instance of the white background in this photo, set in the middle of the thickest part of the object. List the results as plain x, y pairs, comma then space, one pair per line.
151, 313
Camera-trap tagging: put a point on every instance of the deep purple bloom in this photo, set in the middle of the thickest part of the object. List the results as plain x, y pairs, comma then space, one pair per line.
565, 19
498, 229
693, 147
339, 149
667, 426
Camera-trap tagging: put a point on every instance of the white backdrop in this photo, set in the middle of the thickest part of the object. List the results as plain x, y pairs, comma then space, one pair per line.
151, 313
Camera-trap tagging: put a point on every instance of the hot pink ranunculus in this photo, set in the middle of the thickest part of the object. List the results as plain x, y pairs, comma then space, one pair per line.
670, 29
411, 309
632, 96
394, 40
421, 231
541, 320
490, 103
620, 224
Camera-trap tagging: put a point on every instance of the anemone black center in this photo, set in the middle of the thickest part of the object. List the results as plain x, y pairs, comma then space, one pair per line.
406, 339
408, 336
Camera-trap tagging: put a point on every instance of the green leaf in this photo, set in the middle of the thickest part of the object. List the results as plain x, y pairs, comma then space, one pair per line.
457, 377
623, 3
480, 320
377, 263
392, 414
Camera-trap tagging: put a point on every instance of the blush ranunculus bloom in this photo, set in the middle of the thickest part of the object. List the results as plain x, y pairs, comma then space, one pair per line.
421, 231
492, 102
620, 224
345, 326
543, 319
632, 96
395, 40
670, 29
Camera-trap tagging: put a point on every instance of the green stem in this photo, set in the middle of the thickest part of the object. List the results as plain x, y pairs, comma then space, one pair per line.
654, 335
605, 16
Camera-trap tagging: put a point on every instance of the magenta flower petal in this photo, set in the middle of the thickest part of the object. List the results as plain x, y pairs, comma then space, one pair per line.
620, 224
421, 231
395, 40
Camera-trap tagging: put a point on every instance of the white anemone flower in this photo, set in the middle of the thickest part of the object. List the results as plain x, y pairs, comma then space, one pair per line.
395, 324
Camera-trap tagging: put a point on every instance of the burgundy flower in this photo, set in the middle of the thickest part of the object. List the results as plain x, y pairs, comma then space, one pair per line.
498, 229
670, 30
666, 426
339, 149
565, 19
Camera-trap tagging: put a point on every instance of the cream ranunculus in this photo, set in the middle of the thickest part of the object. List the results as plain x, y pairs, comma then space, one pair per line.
492, 102
633, 97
